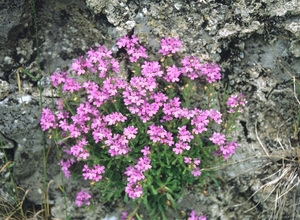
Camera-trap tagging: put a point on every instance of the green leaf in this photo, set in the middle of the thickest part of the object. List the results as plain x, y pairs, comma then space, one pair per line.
170, 198
117, 194
126, 198
28, 73
164, 217
109, 164
145, 201
215, 181
174, 161
108, 196
154, 191
149, 180
138, 217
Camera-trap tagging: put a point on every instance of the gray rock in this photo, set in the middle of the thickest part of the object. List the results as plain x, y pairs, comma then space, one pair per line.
22, 127
15, 16
295, 48
4, 89
293, 27
96, 5
229, 30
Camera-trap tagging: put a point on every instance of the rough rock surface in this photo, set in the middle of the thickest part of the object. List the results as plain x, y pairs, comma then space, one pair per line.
255, 42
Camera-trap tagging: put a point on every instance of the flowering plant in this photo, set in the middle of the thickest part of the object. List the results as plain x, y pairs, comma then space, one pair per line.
142, 135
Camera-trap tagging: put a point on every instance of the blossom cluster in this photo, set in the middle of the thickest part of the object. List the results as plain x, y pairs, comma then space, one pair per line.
194, 216
82, 198
170, 45
124, 216
65, 165
93, 174
195, 164
235, 103
193, 69
133, 48
226, 149
135, 175
104, 118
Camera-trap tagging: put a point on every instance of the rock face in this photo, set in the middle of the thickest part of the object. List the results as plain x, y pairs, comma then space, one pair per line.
15, 16
256, 43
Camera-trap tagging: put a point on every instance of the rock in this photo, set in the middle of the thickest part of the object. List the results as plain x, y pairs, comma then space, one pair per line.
293, 27
295, 48
229, 30
4, 89
253, 27
14, 18
96, 5
21, 128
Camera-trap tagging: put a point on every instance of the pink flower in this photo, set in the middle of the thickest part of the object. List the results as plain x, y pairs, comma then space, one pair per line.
218, 138
196, 161
118, 145
200, 121
215, 115
114, 117
146, 150
47, 119
151, 69
170, 45
211, 71
196, 172
70, 86
193, 216
228, 149
236, 102
65, 165
184, 134
191, 67
124, 42
124, 216
143, 164
172, 74
130, 132
177, 150
159, 134
93, 174
180, 146
134, 50
187, 160
58, 78
82, 198
74, 131
78, 66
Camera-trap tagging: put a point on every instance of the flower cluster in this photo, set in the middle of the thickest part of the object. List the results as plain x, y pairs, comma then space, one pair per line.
170, 46
159, 134
225, 149
194, 164
93, 174
135, 175
235, 103
133, 49
82, 198
139, 133
47, 119
65, 165
193, 69
124, 216
194, 216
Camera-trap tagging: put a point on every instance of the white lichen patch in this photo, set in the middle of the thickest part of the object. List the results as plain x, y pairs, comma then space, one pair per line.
25, 99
